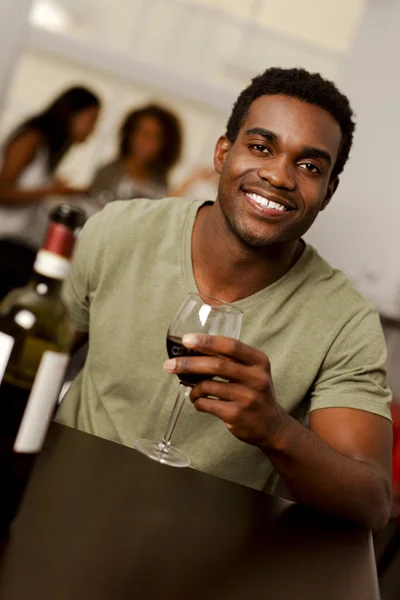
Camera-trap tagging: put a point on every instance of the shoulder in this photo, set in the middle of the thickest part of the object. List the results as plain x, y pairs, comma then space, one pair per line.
122, 222
125, 231
332, 289
31, 134
346, 330
127, 213
29, 139
329, 308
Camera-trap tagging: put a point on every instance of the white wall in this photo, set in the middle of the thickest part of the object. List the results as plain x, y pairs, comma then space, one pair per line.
360, 231
13, 25
329, 24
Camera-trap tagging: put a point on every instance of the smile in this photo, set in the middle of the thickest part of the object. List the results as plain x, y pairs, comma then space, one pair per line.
266, 207
266, 203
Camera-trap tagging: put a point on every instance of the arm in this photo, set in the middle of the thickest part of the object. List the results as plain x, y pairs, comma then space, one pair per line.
341, 465
17, 157
344, 468
203, 174
81, 282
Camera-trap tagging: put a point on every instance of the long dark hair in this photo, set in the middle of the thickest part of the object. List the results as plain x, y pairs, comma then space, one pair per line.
172, 147
54, 122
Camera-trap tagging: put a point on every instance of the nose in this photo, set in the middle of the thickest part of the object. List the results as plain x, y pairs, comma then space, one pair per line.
279, 173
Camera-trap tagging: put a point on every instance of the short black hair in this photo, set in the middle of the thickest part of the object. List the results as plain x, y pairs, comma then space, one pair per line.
171, 151
305, 86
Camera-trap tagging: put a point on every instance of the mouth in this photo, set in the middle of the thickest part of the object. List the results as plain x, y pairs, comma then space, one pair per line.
267, 205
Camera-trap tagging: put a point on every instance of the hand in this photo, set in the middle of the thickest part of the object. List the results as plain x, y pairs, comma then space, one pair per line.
60, 187
203, 174
246, 402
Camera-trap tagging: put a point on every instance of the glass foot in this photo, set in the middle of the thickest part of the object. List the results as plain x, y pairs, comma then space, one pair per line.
167, 456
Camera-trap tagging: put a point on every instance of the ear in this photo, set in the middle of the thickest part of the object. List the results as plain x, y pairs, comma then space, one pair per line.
332, 187
221, 150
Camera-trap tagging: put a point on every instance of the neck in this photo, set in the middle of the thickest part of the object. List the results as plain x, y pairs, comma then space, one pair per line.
132, 168
226, 268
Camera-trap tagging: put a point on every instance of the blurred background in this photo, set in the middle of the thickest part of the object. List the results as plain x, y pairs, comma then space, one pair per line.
194, 57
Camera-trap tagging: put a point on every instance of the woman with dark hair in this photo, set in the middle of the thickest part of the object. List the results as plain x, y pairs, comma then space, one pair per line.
150, 142
29, 159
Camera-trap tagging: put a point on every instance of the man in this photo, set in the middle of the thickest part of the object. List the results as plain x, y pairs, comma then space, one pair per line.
310, 345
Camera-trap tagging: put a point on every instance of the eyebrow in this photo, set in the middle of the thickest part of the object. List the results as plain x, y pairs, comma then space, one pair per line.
311, 152
306, 151
270, 136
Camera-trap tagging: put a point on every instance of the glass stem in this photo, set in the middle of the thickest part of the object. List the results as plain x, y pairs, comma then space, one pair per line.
184, 392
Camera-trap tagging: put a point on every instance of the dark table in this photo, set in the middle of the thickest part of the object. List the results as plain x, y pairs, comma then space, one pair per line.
102, 521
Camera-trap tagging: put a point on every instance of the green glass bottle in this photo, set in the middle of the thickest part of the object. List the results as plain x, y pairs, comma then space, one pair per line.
35, 336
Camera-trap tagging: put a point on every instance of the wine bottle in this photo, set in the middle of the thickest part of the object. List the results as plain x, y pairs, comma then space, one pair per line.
35, 337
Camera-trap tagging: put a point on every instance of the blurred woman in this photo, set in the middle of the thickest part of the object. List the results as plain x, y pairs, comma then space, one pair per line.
150, 143
29, 159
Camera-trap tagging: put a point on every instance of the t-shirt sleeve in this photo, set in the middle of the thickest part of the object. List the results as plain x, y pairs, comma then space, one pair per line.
77, 287
353, 374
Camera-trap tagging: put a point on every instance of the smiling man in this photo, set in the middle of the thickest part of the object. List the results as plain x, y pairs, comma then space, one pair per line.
311, 349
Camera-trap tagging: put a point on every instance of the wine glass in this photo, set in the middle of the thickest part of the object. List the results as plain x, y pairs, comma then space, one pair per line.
198, 314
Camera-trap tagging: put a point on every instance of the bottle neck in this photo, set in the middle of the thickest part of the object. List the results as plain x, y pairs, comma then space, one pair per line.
45, 286
51, 265
53, 260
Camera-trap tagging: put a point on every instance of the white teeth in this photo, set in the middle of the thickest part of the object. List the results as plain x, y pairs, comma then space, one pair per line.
264, 202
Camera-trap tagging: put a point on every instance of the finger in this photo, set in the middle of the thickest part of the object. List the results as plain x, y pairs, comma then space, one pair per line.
227, 392
226, 346
212, 366
226, 411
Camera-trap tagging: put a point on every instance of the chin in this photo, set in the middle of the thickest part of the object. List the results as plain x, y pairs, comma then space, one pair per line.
261, 238
264, 242
256, 240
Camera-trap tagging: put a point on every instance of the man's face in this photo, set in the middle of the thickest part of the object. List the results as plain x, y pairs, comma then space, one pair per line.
276, 176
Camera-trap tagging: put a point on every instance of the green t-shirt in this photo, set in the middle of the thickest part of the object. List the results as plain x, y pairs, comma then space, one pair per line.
131, 271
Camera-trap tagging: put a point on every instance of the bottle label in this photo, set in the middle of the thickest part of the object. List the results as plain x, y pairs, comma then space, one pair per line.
41, 402
51, 265
6, 345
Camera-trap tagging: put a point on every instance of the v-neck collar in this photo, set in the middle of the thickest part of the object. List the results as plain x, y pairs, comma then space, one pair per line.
291, 279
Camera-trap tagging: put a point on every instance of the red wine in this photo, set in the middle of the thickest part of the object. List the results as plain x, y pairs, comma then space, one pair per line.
175, 348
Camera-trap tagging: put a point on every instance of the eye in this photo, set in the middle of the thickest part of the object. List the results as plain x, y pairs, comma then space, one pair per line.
310, 168
259, 148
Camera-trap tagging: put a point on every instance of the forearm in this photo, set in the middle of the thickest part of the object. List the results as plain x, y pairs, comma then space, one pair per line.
182, 188
319, 476
10, 195
179, 190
